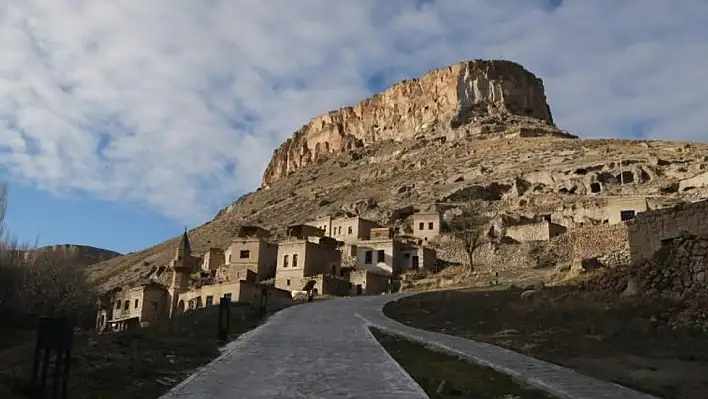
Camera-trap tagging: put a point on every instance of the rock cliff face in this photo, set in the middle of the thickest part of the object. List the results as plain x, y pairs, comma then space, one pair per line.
461, 94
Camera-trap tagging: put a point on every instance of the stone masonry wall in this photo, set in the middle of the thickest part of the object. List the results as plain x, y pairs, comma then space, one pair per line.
583, 243
648, 229
590, 241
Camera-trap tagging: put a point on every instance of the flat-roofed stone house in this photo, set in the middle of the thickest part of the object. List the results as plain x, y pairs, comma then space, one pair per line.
386, 254
348, 230
134, 307
250, 250
303, 254
426, 225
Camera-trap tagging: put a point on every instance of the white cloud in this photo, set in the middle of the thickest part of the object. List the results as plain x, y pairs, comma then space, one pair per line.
177, 104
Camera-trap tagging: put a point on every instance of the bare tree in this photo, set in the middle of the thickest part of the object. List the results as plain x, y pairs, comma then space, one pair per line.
47, 282
468, 227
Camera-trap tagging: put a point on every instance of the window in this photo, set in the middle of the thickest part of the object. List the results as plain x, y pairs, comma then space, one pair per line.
380, 256
118, 305
227, 295
209, 300
339, 230
421, 226
627, 215
406, 255
285, 260
295, 260
350, 230
137, 302
126, 305
367, 257
430, 225
287, 282
245, 254
229, 258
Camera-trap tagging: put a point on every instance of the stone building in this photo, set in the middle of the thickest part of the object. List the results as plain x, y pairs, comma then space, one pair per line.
213, 259
303, 254
347, 230
134, 307
622, 209
183, 265
426, 225
367, 282
386, 254
209, 295
649, 229
250, 250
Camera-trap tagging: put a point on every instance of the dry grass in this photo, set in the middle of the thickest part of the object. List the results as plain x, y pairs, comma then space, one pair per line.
623, 341
141, 364
445, 377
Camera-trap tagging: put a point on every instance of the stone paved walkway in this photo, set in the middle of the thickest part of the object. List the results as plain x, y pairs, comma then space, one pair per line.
325, 350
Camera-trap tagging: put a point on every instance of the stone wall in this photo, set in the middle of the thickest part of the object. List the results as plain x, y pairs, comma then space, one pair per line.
590, 241
648, 229
614, 259
583, 243
539, 231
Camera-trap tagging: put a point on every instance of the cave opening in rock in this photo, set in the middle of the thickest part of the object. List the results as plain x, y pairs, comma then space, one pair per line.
595, 187
626, 177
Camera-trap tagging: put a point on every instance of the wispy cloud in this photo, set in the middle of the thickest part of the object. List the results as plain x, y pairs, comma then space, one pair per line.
177, 104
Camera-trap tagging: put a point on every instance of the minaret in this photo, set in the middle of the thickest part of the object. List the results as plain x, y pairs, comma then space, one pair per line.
181, 267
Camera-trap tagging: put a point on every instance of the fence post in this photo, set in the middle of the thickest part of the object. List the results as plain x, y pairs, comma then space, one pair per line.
264, 301
53, 335
224, 318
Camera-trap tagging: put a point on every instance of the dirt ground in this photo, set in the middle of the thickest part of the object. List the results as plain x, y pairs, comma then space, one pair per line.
619, 340
141, 364
446, 377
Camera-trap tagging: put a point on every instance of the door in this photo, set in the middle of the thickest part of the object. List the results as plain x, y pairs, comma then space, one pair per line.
415, 263
358, 289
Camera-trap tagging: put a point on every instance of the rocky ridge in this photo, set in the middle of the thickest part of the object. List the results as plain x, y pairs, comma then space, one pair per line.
471, 93
522, 167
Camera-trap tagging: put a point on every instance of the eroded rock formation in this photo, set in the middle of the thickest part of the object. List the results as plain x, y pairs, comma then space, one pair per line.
444, 98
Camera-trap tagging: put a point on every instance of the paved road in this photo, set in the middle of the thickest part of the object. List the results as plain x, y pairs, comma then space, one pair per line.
325, 350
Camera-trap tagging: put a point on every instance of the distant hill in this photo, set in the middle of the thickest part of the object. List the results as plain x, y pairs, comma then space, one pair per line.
83, 255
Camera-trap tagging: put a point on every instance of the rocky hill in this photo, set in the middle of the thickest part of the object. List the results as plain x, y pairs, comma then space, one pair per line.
478, 129
82, 255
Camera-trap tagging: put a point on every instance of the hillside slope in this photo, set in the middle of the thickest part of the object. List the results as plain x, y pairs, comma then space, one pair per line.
519, 165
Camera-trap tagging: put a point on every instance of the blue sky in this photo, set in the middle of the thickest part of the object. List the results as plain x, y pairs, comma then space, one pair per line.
122, 122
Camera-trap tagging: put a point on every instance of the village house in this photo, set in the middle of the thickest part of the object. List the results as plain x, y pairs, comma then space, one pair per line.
134, 307
368, 282
306, 253
383, 253
250, 250
426, 225
347, 230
